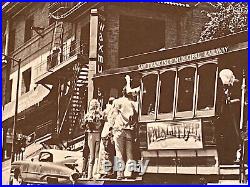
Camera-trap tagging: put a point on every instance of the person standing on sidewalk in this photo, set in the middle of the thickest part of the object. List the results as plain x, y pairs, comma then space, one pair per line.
93, 121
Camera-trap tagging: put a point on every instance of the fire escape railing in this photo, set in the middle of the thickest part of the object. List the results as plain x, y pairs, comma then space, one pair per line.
75, 76
53, 60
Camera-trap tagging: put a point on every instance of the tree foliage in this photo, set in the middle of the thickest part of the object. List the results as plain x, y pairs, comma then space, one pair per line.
227, 18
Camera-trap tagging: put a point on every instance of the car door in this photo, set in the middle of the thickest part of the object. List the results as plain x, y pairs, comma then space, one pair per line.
33, 172
45, 160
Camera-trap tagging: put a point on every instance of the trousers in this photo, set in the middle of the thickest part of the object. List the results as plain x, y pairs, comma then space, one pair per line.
94, 144
124, 149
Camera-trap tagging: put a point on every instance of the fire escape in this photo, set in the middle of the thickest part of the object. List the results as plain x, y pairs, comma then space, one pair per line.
67, 72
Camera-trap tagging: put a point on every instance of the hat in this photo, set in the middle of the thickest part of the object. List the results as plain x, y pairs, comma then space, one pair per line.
227, 77
111, 99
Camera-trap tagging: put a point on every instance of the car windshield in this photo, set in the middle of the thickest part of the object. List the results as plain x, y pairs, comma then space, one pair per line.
46, 157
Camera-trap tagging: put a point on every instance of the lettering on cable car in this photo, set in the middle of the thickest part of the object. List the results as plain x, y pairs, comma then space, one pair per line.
181, 59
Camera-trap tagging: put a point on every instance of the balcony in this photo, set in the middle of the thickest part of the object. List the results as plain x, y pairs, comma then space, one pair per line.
48, 71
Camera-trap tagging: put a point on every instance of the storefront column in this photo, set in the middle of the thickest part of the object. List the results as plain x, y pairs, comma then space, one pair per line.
96, 48
92, 52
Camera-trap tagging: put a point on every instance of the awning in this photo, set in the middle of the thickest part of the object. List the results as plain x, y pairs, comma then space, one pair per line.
25, 101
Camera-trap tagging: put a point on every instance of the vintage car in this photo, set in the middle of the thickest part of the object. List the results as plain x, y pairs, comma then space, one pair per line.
49, 167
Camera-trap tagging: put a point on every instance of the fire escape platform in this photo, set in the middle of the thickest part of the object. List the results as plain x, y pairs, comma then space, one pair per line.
52, 75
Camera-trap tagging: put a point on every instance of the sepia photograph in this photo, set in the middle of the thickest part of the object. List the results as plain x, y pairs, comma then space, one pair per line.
124, 93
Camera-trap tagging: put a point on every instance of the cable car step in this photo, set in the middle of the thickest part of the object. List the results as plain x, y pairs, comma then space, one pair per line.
113, 180
231, 169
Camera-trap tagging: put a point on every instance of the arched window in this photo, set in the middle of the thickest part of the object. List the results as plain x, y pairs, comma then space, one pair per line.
167, 87
186, 80
149, 96
207, 74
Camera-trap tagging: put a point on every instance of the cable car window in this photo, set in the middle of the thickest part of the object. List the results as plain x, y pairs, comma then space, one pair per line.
206, 87
186, 89
149, 95
167, 88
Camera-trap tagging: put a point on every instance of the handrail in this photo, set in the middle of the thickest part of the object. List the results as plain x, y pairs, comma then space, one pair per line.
68, 105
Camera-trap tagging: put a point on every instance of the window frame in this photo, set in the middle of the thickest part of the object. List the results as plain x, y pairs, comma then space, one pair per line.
12, 41
194, 113
171, 115
8, 95
210, 112
147, 118
25, 89
28, 32
186, 114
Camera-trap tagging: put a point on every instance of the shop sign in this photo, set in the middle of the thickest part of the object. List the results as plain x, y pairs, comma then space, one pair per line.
185, 58
100, 42
9, 136
174, 135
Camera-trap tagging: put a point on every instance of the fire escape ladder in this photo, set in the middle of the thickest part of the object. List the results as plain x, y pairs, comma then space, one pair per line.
56, 44
77, 108
75, 105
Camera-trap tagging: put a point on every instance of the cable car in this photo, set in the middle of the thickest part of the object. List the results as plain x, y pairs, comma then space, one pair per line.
181, 130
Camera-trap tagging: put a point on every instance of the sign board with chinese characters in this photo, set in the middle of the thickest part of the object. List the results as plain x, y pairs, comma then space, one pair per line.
175, 135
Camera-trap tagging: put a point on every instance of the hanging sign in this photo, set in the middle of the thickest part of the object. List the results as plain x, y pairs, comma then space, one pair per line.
175, 135
100, 42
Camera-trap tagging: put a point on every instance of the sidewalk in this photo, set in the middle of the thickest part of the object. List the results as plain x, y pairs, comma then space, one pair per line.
5, 172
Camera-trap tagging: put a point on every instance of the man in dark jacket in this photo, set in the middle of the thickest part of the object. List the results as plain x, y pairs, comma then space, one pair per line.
227, 128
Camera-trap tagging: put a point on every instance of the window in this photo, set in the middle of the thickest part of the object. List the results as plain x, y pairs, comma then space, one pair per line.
12, 40
186, 77
9, 91
26, 80
28, 32
140, 35
206, 87
149, 96
72, 51
167, 87
53, 59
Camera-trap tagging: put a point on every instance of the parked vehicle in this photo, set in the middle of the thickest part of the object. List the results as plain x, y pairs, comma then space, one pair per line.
49, 167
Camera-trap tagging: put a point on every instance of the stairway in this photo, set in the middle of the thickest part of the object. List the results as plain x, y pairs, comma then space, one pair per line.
78, 101
76, 105
231, 173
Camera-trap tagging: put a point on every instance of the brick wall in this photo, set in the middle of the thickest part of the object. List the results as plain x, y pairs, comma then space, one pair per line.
113, 14
37, 45
181, 26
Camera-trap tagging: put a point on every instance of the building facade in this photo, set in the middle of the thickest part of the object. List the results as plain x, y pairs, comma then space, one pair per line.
73, 52
30, 34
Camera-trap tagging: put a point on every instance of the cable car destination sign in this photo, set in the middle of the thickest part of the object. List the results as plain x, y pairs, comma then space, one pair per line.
185, 58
